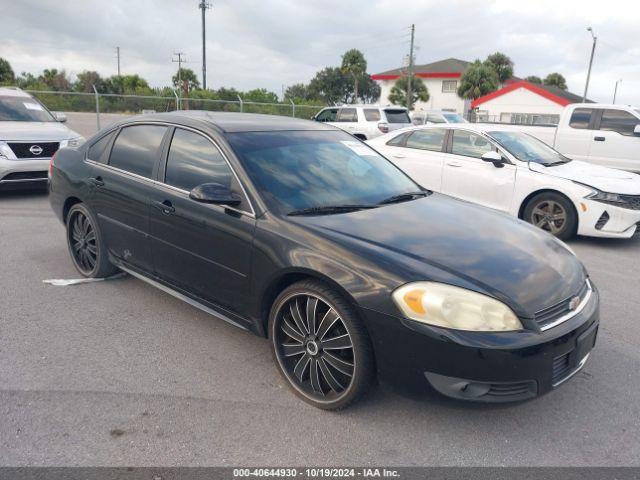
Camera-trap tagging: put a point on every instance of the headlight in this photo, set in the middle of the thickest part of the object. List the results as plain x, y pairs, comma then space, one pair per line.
605, 197
72, 142
454, 307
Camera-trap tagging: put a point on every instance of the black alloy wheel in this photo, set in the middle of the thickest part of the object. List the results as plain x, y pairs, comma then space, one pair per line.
320, 346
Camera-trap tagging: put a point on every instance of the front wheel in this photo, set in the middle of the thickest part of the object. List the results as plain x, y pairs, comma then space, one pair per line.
554, 213
320, 346
85, 244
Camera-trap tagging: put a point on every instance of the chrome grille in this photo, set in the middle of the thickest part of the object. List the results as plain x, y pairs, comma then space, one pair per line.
547, 317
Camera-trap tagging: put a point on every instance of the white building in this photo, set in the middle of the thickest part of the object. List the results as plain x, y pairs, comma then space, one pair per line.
441, 79
520, 101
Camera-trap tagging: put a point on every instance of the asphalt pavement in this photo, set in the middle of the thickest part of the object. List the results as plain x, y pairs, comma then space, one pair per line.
120, 373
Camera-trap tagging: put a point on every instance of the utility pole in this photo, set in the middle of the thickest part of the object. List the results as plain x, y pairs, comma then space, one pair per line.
593, 50
204, 6
179, 62
410, 77
615, 91
118, 55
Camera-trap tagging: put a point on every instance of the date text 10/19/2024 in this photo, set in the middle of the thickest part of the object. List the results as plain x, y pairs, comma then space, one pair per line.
316, 472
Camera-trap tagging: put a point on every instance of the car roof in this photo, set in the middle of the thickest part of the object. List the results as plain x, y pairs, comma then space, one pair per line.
473, 127
231, 122
13, 92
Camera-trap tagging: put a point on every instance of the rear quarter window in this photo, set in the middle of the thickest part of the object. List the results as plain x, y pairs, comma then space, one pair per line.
397, 116
99, 151
371, 114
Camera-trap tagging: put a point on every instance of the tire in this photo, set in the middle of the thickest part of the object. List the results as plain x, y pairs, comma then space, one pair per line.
553, 213
85, 244
327, 362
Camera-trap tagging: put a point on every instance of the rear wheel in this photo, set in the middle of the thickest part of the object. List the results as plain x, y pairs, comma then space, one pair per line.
320, 346
85, 244
554, 213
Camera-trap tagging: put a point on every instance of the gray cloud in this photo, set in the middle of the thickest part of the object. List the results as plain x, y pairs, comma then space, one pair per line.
269, 43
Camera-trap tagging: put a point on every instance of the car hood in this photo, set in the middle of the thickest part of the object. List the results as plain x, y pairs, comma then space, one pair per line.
442, 239
603, 178
35, 131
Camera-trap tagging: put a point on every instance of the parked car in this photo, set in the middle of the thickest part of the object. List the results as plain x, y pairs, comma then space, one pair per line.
300, 233
365, 121
431, 117
516, 173
29, 135
607, 135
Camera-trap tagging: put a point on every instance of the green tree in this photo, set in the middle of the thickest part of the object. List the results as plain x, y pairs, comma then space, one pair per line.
555, 80
86, 80
369, 89
6, 72
501, 64
478, 80
354, 65
126, 84
419, 91
189, 80
55, 80
534, 79
230, 94
260, 95
331, 85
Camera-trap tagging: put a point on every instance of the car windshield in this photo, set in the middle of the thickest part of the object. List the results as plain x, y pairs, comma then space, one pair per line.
299, 170
23, 109
454, 118
528, 149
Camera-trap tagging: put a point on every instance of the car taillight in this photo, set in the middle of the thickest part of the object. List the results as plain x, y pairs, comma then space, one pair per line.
383, 127
51, 164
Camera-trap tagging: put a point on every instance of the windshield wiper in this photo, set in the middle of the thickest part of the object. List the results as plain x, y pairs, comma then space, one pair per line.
559, 162
330, 209
403, 197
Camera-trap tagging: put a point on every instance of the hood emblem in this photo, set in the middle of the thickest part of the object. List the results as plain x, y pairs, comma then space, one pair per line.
35, 149
573, 303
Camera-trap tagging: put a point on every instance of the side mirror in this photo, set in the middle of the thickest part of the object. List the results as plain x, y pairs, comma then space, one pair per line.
493, 157
214, 193
636, 130
60, 117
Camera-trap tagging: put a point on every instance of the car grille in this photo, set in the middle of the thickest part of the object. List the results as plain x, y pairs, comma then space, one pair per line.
546, 317
23, 149
512, 391
25, 176
561, 368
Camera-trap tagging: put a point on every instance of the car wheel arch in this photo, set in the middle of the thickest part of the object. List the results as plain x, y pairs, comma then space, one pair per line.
68, 203
527, 199
288, 278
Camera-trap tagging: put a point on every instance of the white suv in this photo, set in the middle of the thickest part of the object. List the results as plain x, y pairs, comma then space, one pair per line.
29, 136
365, 121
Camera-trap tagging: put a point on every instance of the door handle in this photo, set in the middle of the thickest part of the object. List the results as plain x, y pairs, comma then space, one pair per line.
165, 207
456, 165
96, 181
599, 139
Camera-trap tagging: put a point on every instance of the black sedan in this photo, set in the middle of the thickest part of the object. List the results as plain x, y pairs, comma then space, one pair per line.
298, 232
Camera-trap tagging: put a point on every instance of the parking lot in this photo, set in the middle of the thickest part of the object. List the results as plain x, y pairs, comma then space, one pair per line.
120, 373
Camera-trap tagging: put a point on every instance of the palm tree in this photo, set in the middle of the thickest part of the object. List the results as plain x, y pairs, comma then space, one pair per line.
354, 64
419, 91
478, 80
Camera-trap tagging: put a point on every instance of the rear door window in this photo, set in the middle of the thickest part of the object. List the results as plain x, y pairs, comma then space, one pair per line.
399, 140
618, 121
431, 139
397, 115
137, 148
580, 118
328, 115
372, 114
347, 115
194, 160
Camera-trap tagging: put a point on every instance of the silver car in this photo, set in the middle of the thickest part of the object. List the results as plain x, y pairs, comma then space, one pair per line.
29, 136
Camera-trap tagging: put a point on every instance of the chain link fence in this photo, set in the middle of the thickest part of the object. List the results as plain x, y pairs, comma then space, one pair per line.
126, 105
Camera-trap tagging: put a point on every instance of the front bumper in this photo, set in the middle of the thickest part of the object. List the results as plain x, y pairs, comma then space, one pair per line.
599, 219
23, 173
489, 367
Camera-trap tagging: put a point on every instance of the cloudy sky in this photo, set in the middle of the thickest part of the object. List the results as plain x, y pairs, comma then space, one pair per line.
271, 43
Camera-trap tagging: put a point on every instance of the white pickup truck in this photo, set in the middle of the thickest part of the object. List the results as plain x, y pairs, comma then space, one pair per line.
603, 134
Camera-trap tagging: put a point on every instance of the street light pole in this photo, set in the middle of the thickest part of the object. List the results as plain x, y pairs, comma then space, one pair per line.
615, 91
593, 51
204, 6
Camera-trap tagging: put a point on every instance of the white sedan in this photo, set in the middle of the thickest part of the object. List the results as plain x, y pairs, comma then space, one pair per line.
518, 174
